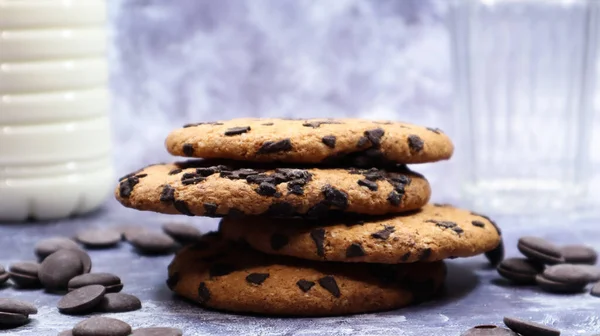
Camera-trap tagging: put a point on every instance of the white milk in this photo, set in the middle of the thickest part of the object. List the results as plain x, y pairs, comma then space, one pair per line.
54, 131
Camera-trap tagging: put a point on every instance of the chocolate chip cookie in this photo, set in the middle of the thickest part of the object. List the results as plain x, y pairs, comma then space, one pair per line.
354, 142
432, 233
215, 188
222, 275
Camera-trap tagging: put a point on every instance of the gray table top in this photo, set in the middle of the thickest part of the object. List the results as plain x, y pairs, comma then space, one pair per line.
474, 292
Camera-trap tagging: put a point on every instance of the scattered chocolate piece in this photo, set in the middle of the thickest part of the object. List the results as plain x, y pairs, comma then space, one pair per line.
355, 250
335, 197
536, 248
182, 207
168, 194
17, 307
305, 285
153, 243
375, 136
99, 325
558, 287
81, 300
369, 184
278, 241
488, 330
24, 274
126, 186
520, 270
579, 254
478, 224
318, 236
572, 274
86, 261
268, 124
58, 268
182, 233
385, 233
119, 302
257, 278
237, 130
266, 189
157, 331
188, 149
111, 282
128, 231
47, 246
328, 282
12, 320
528, 328
329, 141
496, 255
394, 198
415, 143
271, 147
99, 238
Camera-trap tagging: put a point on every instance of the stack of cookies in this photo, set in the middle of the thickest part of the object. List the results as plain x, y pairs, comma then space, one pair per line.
320, 217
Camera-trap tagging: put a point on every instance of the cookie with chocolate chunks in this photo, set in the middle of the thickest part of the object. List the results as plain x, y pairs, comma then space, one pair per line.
276, 285
314, 141
429, 234
219, 188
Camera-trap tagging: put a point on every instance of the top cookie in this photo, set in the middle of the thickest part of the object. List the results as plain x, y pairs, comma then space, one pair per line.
354, 142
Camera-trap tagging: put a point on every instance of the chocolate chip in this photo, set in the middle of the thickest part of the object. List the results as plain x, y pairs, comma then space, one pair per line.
188, 149
268, 124
257, 278
446, 225
23, 274
58, 268
405, 257
168, 194
12, 320
172, 280
369, 184
579, 254
281, 209
151, 242
126, 186
81, 300
266, 189
129, 175
237, 130
111, 282
496, 255
529, 328
206, 171
425, 254
99, 325
394, 198
385, 233
220, 269
157, 331
362, 141
17, 307
329, 283
335, 197
119, 303
296, 187
203, 293
318, 236
182, 233
317, 124
355, 250
214, 123
486, 217
375, 136
175, 171
329, 141
99, 238
210, 209
536, 248
182, 207
415, 143
305, 285
278, 241
435, 130
374, 175
488, 330
271, 147
193, 179
520, 270
478, 224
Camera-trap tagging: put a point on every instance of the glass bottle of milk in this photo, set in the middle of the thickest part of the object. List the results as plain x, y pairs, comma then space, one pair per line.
54, 131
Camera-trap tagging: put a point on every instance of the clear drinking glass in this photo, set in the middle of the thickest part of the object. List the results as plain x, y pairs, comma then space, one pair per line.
524, 74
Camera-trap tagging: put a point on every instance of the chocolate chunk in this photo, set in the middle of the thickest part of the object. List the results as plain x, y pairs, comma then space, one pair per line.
290, 174
278, 241
175, 171
220, 269
99, 238
210, 209
182, 233
296, 187
369, 184
119, 303
182, 207
520, 270
206, 171
305, 285
415, 143
17, 307
536, 248
172, 280
579, 254
99, 325
157, 331
362, 141
435, 130
266, 189
478, 224
335, 197
355, 250
329, 283
496, 255
81, 300
529, 328
394, 198
203, 293
151, 243
168, 194
375, 136
271, 147
111, 282
425, 254
374, 175
259, 178
329, 141
405, 257
399, 179
193, 179
488, 330
385, 233
188, 149
318, 236
126, 186
58, 268
214, 123
257, 278
281, 209
237, 130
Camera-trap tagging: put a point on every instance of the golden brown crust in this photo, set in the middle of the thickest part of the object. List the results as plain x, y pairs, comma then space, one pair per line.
311, 141
201, 187
433, 233
220, 275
